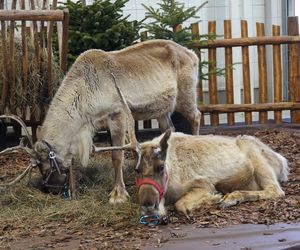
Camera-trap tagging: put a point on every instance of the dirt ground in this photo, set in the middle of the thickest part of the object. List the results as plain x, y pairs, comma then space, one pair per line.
30, 219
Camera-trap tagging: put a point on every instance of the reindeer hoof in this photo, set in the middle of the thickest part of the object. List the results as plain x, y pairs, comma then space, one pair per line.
118, 195
230, 200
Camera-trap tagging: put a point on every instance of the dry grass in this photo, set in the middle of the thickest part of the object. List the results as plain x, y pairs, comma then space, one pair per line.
27, 205
35, 89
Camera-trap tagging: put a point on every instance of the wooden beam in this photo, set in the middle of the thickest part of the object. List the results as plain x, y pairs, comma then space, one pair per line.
31, 15
250, 41
254, 107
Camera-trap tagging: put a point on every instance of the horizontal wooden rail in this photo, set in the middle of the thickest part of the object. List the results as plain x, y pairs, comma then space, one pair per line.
228, 108
31, 15
250, 41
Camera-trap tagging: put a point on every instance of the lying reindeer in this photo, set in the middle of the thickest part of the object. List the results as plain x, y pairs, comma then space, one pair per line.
192, 171
156, 78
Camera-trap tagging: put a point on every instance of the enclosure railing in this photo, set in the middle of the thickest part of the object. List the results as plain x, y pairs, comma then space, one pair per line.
293, 41
35, 38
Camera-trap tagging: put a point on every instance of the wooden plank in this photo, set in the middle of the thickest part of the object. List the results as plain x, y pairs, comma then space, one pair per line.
277, 74
24, 57
254, 107
4, 64
212, 79
294, 74
195, 29
50, 54
64, 46
36, 63
249, 41
229, 71
262, 72
246, 71
32, 15
12, 61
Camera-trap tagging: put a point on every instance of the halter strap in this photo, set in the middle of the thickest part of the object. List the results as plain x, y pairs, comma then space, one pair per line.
160, 188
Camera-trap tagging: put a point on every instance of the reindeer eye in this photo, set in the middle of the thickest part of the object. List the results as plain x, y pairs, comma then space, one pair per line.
137, 170
160, 168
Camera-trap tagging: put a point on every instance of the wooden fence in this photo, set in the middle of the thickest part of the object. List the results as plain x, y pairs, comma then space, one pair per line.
36, 34
277, 41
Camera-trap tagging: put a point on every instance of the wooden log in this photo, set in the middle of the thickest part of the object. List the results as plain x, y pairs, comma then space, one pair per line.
294, 74
34, 35
252, 107
50, 54
249, 41
196, 36
24, 57
31, 15
262, 73
277, 74
212, 79
64, 46
246, 71
12, 61
229, 71
4, 64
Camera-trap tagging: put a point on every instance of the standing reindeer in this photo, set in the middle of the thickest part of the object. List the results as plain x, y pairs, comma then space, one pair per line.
156, 78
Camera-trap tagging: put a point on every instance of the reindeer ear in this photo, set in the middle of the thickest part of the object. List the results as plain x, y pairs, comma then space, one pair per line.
41, 149
164, 142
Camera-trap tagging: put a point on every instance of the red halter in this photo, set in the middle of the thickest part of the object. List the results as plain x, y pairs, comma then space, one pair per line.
160, 188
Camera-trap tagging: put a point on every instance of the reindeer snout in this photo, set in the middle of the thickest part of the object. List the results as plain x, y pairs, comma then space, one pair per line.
149, 200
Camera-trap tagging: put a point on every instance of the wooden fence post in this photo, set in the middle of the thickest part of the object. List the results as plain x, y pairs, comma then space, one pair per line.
262, 72
246, 71
229, 71
196, 36
294, 70
212, 79
277, 74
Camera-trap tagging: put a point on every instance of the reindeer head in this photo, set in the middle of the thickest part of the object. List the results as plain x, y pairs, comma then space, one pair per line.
42, 155
152, 176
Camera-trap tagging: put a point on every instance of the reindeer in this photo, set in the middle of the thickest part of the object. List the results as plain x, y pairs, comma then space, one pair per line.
155, 77
192, 171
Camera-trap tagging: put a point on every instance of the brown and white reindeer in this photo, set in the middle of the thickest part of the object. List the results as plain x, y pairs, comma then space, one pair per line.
156, 78
192, 171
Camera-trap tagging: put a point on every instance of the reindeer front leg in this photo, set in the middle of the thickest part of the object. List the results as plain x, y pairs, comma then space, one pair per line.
117, 126
199, 192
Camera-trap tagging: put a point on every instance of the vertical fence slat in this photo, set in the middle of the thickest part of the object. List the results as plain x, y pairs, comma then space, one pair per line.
24, 58
36, 63
50, 54
294, 74
229, 71
4, 63
262, 72
277, 74
64, 43
12, 61
212, 80
196, 36
246, 71
144, 37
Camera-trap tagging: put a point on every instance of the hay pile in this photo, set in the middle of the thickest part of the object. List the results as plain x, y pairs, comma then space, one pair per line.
32, 92
27, 204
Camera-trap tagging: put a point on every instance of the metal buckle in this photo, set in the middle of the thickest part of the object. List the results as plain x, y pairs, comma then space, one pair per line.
150, 219
52, 155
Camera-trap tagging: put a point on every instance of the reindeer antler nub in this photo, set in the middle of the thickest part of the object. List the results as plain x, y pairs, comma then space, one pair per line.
21, 146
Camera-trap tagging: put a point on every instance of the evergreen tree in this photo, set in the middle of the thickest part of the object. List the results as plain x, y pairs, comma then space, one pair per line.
167, 18
100, 25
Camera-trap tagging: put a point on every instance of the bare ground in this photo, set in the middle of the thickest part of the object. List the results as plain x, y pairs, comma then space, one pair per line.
30, 219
